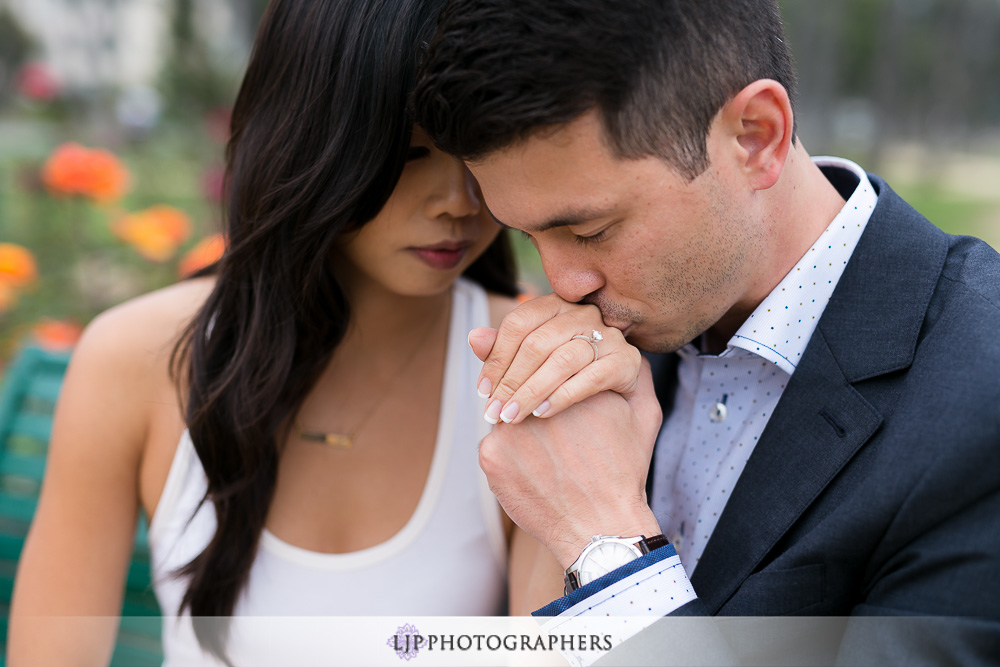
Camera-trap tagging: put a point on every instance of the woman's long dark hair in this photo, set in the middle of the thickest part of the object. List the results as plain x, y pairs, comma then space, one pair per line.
320, 133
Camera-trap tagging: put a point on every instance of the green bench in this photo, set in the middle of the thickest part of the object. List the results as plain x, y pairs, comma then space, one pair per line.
27, 400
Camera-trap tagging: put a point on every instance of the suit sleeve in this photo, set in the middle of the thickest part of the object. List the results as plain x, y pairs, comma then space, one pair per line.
935, 594
929, 596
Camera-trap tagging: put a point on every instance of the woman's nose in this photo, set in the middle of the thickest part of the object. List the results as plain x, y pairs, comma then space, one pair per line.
456, 193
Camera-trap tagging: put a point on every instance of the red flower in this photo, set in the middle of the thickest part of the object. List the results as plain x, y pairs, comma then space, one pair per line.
94, 173
56, 334
213, 183
36, 82
217, 123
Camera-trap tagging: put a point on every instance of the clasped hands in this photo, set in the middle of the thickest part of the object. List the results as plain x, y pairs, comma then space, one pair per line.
578, 467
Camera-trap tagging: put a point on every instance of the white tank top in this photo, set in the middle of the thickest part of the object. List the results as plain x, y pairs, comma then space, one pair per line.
449, 559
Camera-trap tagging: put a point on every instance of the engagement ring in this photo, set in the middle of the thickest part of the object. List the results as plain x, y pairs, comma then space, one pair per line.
593, 337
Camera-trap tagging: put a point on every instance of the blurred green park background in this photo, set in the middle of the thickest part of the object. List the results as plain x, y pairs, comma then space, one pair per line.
908, 88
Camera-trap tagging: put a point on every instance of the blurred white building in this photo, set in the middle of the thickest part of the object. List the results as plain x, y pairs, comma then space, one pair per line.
118, 43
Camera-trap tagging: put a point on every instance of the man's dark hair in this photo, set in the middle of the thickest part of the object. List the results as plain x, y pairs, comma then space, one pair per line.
656, 71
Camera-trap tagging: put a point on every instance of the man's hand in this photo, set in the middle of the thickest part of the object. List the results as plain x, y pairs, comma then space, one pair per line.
534, 365
580, 473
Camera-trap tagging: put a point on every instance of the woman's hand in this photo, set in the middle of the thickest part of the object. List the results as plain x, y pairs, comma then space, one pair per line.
533, 365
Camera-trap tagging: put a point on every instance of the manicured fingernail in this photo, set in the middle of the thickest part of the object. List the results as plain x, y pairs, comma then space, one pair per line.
484, 388
493, 412
541, 409
509, 413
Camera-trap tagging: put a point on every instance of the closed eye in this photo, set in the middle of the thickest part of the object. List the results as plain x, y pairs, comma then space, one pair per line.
593, 239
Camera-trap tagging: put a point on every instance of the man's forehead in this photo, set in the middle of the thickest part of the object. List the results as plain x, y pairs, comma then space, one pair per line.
537, 205
548, 180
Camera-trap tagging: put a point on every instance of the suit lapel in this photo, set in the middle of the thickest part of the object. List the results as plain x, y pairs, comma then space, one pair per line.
870, 327
808, 439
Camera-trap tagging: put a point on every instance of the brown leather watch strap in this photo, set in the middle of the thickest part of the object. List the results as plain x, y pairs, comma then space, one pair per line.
647, 544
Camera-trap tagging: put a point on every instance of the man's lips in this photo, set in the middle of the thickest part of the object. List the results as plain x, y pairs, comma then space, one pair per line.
443, 256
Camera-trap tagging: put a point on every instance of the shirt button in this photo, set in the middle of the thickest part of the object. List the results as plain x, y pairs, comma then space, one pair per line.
718, 412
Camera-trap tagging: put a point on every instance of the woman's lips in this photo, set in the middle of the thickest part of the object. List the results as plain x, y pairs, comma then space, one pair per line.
442, 256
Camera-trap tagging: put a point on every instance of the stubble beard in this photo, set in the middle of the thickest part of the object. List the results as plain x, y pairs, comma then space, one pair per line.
725, 264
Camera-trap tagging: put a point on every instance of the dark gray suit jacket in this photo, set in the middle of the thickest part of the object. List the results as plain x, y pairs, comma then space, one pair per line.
875, 487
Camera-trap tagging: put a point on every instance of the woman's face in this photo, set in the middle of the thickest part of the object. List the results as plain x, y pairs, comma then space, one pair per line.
430, 230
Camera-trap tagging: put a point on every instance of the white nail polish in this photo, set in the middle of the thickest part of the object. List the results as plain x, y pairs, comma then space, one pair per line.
484, 388
509, 413
492, 414
541, 409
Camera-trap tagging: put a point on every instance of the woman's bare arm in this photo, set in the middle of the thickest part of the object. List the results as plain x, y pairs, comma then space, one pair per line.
76, 556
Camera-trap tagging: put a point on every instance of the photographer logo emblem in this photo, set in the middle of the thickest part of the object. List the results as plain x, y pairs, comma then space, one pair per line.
406, 642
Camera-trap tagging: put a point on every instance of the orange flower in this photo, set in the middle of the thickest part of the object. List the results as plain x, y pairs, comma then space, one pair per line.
17, 266
94, 173
56, 334
208, 251
156, 232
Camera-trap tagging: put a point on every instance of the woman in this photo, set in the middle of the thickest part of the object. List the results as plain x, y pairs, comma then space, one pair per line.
300, 421
314, 389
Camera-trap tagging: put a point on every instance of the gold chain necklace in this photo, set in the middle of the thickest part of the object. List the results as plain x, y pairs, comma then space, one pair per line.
339, 440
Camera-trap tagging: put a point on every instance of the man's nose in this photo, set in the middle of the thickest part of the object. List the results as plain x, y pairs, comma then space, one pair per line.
570, 273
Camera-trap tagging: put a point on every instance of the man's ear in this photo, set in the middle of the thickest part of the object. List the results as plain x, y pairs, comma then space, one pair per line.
760, 119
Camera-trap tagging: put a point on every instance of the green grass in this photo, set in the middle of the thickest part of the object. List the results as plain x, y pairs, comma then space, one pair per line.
952, 212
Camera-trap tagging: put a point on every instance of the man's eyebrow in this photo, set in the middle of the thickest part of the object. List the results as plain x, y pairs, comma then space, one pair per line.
567, 218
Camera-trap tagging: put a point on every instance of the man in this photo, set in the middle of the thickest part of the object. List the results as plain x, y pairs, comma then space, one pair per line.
828, 360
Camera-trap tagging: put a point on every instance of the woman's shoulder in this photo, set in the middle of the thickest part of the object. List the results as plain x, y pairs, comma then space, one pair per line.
141, 332
180, 301
118, 385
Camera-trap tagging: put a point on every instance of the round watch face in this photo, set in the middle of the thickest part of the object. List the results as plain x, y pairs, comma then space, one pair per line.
604, 558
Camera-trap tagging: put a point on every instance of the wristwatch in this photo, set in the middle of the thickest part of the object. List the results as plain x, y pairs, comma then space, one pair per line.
605, 553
